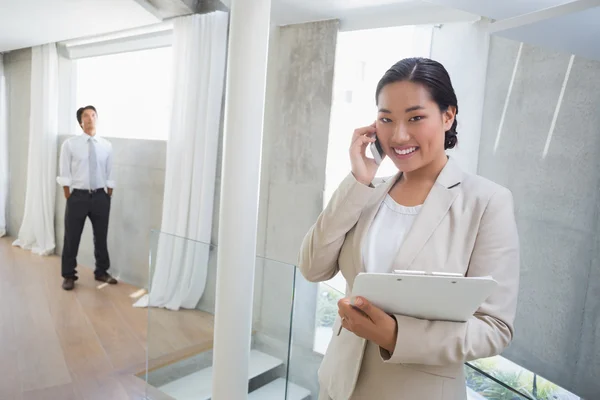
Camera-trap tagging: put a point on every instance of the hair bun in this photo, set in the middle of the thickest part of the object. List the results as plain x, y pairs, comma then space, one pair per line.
451, 139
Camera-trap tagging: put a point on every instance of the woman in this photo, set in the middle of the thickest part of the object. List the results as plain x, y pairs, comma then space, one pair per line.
430, 217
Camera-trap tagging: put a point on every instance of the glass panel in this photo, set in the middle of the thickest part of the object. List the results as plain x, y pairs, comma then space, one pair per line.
180, 341
315, 308
271, 330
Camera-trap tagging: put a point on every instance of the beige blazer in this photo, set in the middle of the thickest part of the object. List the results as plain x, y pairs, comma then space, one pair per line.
467, 225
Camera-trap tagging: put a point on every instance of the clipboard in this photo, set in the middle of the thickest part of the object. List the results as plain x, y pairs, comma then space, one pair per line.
430, 296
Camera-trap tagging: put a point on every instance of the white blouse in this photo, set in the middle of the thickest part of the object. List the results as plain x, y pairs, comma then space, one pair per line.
386, 234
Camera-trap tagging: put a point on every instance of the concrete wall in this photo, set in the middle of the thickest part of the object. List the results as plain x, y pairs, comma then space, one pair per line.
139, 171
557, 205
299, 97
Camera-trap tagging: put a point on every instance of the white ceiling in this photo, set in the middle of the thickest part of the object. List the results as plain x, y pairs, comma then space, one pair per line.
293, 11
364, 14
500, 9
26, 23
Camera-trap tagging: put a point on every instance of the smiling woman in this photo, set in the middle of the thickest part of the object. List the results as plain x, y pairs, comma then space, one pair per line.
430, 217
362, 57
416, 124
416, 100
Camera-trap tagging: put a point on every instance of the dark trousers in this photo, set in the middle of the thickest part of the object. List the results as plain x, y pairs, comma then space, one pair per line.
81, 205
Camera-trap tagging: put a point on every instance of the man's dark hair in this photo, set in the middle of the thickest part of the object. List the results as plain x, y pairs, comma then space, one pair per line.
82, 109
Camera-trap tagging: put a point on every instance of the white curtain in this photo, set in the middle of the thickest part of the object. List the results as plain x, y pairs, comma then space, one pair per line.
37, 230
3, 148
181, 265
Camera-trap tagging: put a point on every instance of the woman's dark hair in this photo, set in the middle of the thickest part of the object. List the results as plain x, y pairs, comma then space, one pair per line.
82, 109
436, 80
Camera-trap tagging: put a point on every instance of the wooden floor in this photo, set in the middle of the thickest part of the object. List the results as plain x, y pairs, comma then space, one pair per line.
87, 344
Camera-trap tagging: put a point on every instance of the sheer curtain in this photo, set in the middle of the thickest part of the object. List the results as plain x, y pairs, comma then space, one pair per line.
37, 230
199, 55
3, 148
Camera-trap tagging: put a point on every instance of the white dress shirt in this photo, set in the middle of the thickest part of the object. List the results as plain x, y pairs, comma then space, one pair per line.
386, 235
74, 170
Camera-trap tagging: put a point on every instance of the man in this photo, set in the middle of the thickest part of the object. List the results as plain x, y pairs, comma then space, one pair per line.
86, 178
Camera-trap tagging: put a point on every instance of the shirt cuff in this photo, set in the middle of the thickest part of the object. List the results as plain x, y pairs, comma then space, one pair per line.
63, 181
110, 184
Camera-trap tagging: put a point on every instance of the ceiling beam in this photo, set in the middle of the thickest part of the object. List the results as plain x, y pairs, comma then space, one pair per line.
146, 41
206, 6
166, 9
150, 7
542, 15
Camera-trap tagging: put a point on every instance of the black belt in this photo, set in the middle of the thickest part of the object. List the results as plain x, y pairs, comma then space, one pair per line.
88, 191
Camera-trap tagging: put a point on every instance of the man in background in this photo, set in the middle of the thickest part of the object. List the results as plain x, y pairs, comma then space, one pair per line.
86, 178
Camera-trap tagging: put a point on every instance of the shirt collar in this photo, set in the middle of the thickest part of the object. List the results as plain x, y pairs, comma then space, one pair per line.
88, 137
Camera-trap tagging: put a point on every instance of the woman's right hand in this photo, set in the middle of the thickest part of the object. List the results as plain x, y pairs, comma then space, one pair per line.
363, 167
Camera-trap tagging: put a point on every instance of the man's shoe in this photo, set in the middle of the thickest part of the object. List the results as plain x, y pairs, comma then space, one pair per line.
106, 278
68, 283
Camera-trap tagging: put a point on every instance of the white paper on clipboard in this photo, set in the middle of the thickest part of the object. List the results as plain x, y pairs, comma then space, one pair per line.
435, 297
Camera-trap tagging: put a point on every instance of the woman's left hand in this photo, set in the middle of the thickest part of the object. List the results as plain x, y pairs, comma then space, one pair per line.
369, 322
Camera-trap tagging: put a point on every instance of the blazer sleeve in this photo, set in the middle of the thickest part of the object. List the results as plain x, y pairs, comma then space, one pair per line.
490, 330
318, 259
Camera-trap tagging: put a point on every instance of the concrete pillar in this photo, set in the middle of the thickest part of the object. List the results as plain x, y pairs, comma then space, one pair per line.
244, 110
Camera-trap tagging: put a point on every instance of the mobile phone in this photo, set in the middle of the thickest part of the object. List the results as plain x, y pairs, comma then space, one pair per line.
377, 151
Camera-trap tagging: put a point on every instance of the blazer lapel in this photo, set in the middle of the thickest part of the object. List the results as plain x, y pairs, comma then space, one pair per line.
436, 206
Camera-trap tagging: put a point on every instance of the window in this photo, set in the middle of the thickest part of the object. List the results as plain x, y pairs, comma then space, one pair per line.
132, 92
361, 60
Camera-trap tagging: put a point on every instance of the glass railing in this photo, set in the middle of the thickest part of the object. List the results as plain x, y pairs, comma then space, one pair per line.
292, 327
499, 378
182, 288
180, 321
481, 386
488, 379
273, 313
